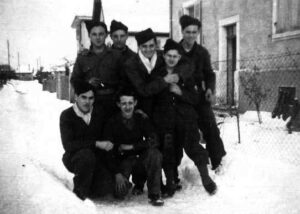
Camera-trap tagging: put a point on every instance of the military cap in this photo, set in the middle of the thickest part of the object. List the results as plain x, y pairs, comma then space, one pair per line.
144, 36
90, 24
186, 20
172, 45
115, 25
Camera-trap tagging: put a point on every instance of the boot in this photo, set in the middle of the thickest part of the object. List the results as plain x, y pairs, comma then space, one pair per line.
208, 184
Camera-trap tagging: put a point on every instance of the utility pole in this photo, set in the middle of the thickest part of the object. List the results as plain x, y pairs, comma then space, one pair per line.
19, 60
8, 53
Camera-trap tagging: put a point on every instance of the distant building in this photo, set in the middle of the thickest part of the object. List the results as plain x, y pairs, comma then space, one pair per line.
236, 31
23, 73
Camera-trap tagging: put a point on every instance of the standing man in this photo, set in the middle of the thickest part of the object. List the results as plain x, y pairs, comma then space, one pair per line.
86, 154
101, 67
176, 121
135, 145
205, 82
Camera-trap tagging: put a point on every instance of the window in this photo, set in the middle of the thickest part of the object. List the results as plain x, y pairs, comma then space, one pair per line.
286, 19
192, 8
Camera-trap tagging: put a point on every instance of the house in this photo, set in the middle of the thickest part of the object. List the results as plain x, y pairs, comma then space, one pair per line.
23, 73
244, 36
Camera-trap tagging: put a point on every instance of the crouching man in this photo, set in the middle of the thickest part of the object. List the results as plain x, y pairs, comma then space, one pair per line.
86, 154
135, 145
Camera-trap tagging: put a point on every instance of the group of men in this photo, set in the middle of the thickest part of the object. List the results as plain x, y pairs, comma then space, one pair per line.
135, 113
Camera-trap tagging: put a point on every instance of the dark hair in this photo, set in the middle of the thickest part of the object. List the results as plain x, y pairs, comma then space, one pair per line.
126, 92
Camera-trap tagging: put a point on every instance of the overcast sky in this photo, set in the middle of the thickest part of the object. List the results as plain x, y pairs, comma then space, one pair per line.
42, 28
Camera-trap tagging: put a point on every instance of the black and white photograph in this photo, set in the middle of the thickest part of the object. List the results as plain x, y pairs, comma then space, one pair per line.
149, 106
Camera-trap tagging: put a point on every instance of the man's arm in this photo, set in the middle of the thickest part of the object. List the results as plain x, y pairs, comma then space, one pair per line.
144, 88
77, 74
209, 74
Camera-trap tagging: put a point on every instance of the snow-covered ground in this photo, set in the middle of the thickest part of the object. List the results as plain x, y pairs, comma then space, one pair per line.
261, 175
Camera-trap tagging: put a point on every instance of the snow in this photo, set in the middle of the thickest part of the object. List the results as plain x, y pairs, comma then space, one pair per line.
261, 175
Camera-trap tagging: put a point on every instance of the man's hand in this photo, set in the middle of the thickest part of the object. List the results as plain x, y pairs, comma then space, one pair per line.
104, 145
125, 147
121, 185
95, 82
209, 96
171, 78
174, 88
141, 112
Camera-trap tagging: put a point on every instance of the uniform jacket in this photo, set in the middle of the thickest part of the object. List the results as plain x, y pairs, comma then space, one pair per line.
106, 67
140, 133
146, 85
168, 106
203, 72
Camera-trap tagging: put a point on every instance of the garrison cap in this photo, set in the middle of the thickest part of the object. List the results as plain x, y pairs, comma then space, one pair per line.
144, 36
115, 25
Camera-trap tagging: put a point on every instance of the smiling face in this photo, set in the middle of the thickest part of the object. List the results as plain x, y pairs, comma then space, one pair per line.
119, 38
172, 57
127, 105
148, 48
98, 36
190, 34
85, 101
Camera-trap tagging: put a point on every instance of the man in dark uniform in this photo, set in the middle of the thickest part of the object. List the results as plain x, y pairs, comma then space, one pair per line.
119, 36
101, 67
86, 154
135, 144
140, 68
176, 120
205, 81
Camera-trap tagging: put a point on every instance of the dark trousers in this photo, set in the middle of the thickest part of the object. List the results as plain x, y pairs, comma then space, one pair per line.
185, 136
148, 163
211, 134
91, 176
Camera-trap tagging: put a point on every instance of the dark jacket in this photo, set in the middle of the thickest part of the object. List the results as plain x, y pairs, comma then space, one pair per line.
146, 85
106, 67
76, 134
200, 58
126, 53
138, 133
168, 106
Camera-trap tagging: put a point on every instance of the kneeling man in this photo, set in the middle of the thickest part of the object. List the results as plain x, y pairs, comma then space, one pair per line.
135, 145
86, 154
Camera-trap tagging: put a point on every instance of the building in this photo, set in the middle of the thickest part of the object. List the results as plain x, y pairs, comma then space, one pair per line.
245, 35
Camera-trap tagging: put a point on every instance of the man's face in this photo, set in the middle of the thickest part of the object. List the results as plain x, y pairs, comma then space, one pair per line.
98, 36
127, 105
85, 101
190, 34
119, 38
148, 48
172, 57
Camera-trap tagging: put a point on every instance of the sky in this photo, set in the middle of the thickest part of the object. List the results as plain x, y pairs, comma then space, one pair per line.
40, 31
260, 175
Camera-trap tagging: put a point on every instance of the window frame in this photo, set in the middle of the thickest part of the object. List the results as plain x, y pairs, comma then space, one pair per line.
284, 35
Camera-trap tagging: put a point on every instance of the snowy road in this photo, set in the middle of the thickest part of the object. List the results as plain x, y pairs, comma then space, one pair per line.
33, 179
